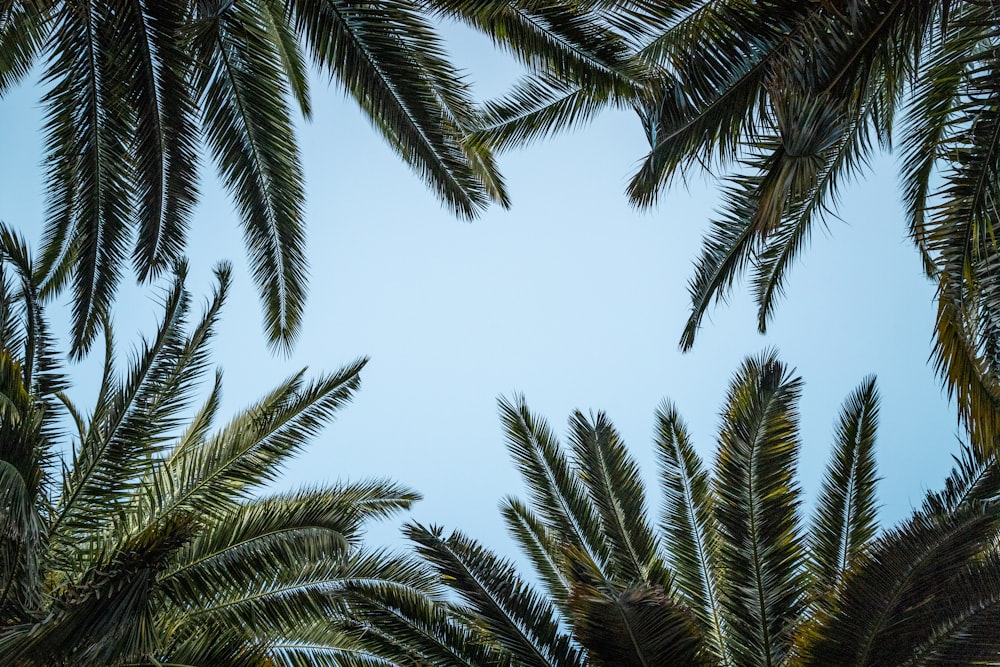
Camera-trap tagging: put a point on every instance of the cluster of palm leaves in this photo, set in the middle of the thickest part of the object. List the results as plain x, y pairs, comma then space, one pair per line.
143, 538
731, 576
137, 91
793, 99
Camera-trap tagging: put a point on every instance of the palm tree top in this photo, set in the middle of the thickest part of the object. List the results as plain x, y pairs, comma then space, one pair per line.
728, 571
141, 533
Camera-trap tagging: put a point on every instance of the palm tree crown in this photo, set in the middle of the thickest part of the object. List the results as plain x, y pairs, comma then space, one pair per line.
793, 99
730, 575
147, 542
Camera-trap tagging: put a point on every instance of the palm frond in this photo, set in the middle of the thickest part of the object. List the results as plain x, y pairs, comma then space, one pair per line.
248, 127
249, 451
24, 30
522, 622
408, 626
689, 527
757, 512
846, 513
378, 52
546, 554
156, 73
615, 488
920, 591
553, 486
638, 627
87, 123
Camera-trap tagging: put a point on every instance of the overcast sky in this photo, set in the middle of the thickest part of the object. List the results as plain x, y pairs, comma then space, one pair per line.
571, 297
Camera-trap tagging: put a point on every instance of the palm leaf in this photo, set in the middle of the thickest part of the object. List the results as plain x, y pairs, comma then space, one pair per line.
516, 617
249, 129
845, 521
916, 595
24, 29
165, 137
553, 486
615, 488
757, 512
89, 169
689, 527
542, 549
639, 627
374, 50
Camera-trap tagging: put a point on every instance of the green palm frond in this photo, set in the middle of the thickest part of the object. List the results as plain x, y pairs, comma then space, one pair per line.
165, 135
24, 27
689, 526
921, 591
135, 417
637, 627
143, 546
249, 451
565, 40
846, 512
374, 50
615, 488
553, 486
545, 552
249, 128
405, 626
87, 123
974, 480
25, 454
731, 577
303, 526
516, 617
756, 510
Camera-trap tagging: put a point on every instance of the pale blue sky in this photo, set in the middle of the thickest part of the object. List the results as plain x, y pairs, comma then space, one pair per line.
571, 297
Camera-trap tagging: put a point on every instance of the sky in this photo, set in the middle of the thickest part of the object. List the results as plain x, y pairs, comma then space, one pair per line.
572, 298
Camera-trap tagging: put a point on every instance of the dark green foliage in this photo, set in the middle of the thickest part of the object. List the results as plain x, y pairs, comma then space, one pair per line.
734, 576
142, 539
134, 90
793, 99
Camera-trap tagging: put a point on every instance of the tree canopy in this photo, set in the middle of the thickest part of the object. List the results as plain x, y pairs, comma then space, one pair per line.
728, 572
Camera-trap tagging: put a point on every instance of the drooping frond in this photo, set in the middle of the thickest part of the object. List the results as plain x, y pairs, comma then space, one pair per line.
23, 32
156, 74
378, 53
249, 129
88, 179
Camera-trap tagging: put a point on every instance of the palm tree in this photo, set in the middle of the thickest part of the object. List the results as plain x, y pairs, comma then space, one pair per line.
729, 575
798, 99
135, 90
793, 99
144, 540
